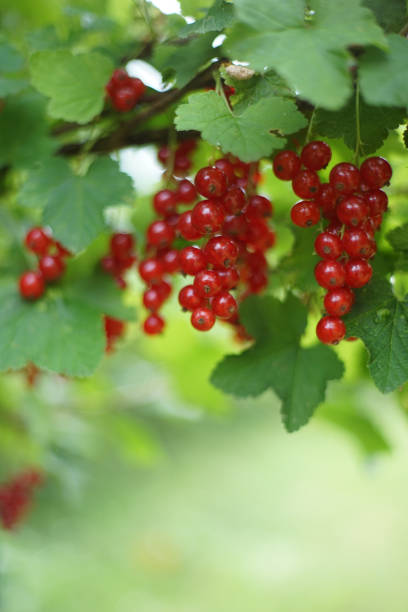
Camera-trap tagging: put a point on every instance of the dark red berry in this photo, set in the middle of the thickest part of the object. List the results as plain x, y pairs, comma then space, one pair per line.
192, 260
328, 246
316, 155
171, 261
163, 155
31, 285
186, 192
221, 251
153, 325
160, 234
377, 201
153, 298
353, 211
185, 227
258, 206
229, 277
123, 99
121, 245
326, 199
38, 241
224, 305
345, 178
165, 202
338, 302
235, 226
202, 318
306, 184
259, 236
211, 182
52, 267
356, 243
330, 330
138, 88
330, 273
258, 281
188, 298
227, 168
375, 172
286, 165
207, 217
234, 200
207, 283
151, 270
358, 273
305, 214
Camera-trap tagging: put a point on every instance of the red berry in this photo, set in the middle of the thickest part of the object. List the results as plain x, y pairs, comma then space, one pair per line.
62, 251
330, 273
211, 182
119, 78
330, 330
114, 328
202, 318
221, 251
186, 147
375, 172
185, 227
224, 305
258, 281
153, 298
163, 155
207, 217
229, 277
182, 164
358, 273
109, 264
171, 261
38, 241
52, 267
326, 199
345, 178
160, 234
258, 206
123, 99
138, 88
256, 261
31, 285
207, 283
353, 211
305, 214
234, 200
121, 245
316, 155
192, 260
377, 201
165, 202
306, 184
338, 302
328, 246
153, 325
151, 269
186, 192
259, 236
286, 165
227, 168
356, 243
235, 226
188, 298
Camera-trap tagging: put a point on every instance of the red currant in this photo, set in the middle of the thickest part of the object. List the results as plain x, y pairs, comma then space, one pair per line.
186, 192
316, 155
121, 245
330, 330
229, 277
330, 273
202, 318
305, 214
165, 202
338, 302
153, 325
31, 285
234, 200
151, 270
258, 206
207, 283
38, 241
375, 172
185, 227
123, 99
358, 273
345, 178
221, 251
171, 261
192, 260
160, 234
328, 246
188, 298
224, 305
207, 217
286, 165
377, 201
52, 267
356, 243
353, 211
227, 168
306, 184
153, 298
211, 182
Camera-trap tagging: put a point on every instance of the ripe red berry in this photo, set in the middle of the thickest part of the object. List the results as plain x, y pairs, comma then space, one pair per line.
306, 184
375, 172
153, 325
229, 277
227, 168
207, 283
151, 270
224, 305
163, 155
356, 243
221, 251
123, 99
377, 201
138, 88
186, 192
256, 261
121, 245
119, 79
153, 298
234, 200
258, 281
31, 285
192, 260
165, 202
259, 236
211, 182
305, 214
160, 234
202, 318
353, 211
258, 206
114, 328
316, 155
182, 164
185, 227
52, 267
338, 302
330, 330
171, 261
286, 165
207, 217
358, 273
326, 199
38, 241
235, 226
330, 273
188, 298
328, 246
345, 178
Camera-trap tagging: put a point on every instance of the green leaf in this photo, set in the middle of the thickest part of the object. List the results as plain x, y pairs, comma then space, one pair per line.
11, 85
383, 75
74, 205
375, 124
10, 58
246, 135
398, 238
298, 375
310, 53
250, 91
102, 293
391, 15
381, 321
194, 8
75, 83
297, 268
56, 333
219, 16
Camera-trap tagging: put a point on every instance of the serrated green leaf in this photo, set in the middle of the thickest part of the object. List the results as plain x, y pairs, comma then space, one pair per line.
219, 16
11, 85
250, 91
383, 74
375, 124
74, 205
398, 238
391, 15
75, 83
101, 292
194, 8
298, 375
381, 321
10, 58
310, 53
247, 135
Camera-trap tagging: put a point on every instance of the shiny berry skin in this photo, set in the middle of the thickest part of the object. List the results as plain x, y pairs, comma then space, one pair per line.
286, 165
31, 285
188, 298
186, 228
258, 281
356, 243
235, 226
221, 251
207, 283
353, 211
316, 155
121, 244
37, 241
227, 168
330, 273
326, 199
344, 178
186, 192
186, 147
207, 217
202, 318
52, 267
259, 236
165, 202
192, 260
224, 305
258, 206
377, 201
375, 172
328, 246
171, 261
163, 155
151, 270
306, 184
211, 182
256, 261
160, 234
229, 277
153, 298
330, 330
153, 325
138, 88
234, 201
305, 214
119, 79
338, 302
123, 99
182, 165
358, 273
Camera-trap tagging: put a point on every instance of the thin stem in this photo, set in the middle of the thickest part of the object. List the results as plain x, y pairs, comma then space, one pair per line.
219, 88
358, 133
404, 30
310, 126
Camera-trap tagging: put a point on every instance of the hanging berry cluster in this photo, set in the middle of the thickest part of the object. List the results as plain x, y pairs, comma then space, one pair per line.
353, 204
124, 91
120, 258
16, 497
177, 161
51, 263
230, 232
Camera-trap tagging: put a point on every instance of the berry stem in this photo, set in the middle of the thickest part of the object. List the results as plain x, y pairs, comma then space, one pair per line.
310, 126
358, 133
219, 88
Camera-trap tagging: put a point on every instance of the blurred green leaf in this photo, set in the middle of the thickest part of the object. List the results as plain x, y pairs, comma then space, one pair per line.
219, 16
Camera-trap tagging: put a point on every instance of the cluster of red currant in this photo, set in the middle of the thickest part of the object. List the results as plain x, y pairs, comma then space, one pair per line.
353, 204
124, 91
51, 263
177, 160
16, 497
120, 258
233, 234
